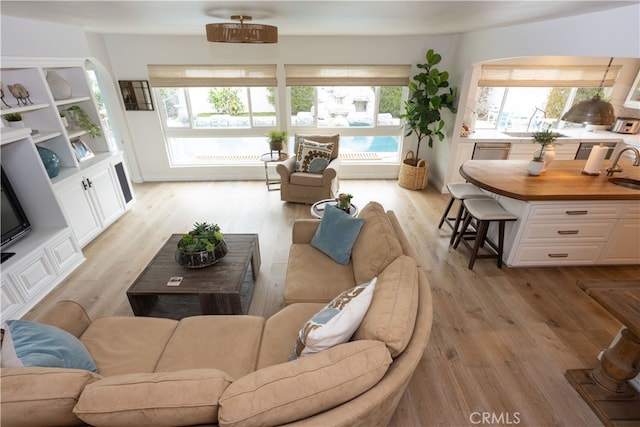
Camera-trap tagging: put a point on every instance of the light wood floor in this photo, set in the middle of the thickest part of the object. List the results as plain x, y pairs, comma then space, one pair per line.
501, 339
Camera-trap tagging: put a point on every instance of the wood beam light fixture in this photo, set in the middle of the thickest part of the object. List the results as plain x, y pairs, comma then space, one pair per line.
594, 111
242, 32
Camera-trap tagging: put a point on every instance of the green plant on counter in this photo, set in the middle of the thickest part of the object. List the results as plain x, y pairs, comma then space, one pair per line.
544, 138
203, 237
13, 117
80, 118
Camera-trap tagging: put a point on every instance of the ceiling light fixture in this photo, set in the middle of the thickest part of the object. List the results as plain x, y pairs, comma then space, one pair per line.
241, 33
594, 111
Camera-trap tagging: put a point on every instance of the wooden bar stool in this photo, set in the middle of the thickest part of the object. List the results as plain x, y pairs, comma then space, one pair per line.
459, 191
484, 211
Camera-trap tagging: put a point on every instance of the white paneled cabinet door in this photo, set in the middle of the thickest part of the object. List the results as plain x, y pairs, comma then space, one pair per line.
623, 247
106, 195
77, 205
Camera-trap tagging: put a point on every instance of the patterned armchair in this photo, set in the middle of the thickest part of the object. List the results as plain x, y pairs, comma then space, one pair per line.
308, 187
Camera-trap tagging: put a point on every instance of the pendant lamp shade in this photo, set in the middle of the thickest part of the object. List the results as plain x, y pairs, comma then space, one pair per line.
594, 111
241, 32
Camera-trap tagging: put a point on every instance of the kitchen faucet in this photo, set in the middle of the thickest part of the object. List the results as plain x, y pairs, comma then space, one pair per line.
544, 116
614, 166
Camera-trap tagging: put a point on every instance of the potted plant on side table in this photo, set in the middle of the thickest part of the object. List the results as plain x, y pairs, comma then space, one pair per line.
422, 117
201, 247
276, 140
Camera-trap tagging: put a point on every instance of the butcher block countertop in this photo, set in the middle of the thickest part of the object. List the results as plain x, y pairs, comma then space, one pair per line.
561, 181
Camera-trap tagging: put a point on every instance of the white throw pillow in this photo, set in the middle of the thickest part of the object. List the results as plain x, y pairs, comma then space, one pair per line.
313, 157
336, 322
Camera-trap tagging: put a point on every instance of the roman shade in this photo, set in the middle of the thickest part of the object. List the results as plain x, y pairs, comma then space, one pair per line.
546, 76
347, 75
263, 75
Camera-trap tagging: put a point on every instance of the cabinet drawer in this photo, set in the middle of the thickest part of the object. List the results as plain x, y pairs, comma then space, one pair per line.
532, 255
574, 211
64, 253
568, 230
34, 275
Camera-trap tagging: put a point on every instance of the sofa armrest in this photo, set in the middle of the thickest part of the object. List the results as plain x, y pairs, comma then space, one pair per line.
286, 168
67, 315
303, 230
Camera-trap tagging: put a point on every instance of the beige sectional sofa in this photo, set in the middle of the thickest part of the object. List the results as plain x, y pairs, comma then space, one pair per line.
234, 370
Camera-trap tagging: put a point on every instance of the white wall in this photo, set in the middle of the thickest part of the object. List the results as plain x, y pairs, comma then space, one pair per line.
130, 56
604, 34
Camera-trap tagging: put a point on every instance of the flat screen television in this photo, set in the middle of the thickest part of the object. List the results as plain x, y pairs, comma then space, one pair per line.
15, 223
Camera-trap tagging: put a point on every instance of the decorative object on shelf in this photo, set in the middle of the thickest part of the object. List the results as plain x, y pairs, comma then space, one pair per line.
545, 138
344, 201
60, 88
594, 111
50, 160
20, 93
413, 176
203, 246
63, 118
78, 117
276, 140
422, 110
136, 95
14, 120
536, 166
241, 33
81, 150
2, 96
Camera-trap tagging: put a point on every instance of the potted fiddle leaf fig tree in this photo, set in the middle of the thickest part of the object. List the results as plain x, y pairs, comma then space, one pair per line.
429, 94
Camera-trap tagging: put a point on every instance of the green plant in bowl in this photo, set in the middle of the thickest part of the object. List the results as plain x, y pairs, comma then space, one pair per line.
80, 118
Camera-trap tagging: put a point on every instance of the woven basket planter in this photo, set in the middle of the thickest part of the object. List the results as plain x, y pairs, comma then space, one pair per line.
413, 173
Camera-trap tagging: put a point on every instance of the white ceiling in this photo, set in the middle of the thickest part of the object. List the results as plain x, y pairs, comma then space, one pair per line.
301, 17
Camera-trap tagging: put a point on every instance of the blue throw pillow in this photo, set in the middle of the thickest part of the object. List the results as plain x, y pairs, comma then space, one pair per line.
28, 343
336, 234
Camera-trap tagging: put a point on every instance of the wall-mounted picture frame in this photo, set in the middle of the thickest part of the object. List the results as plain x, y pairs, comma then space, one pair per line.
633, 98
81, 150
136, 95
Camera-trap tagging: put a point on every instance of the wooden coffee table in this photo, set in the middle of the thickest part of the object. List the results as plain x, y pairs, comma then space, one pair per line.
223, 288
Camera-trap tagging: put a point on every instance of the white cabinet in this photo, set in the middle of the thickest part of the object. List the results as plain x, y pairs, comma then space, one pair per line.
47, 253
63, 214
91, 201
575, 233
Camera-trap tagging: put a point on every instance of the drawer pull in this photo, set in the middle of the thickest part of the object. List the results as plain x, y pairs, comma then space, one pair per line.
567, 231
558, 255
576, 212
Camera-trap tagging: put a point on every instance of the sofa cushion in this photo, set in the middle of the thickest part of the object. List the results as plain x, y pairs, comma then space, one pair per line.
42, 396
314, 277
281, 329
313, 156
126, 345
336, 322
295, 390
27, 343
377, 244
393, 310
336, 234
228, 343
177, 398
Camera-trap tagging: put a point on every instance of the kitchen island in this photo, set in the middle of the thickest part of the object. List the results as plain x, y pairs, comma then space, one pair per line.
564, 217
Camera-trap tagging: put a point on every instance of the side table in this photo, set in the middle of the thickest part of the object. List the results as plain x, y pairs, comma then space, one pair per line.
272, 157
317, 209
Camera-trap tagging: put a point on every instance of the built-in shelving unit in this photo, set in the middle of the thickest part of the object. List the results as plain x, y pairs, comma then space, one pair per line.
68, 210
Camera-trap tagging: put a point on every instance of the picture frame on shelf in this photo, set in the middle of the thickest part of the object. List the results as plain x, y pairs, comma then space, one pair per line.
81, 150
633, 97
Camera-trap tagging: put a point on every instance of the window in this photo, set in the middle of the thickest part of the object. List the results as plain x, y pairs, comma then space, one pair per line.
534, 97
96, 88
216, 113
361, 102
